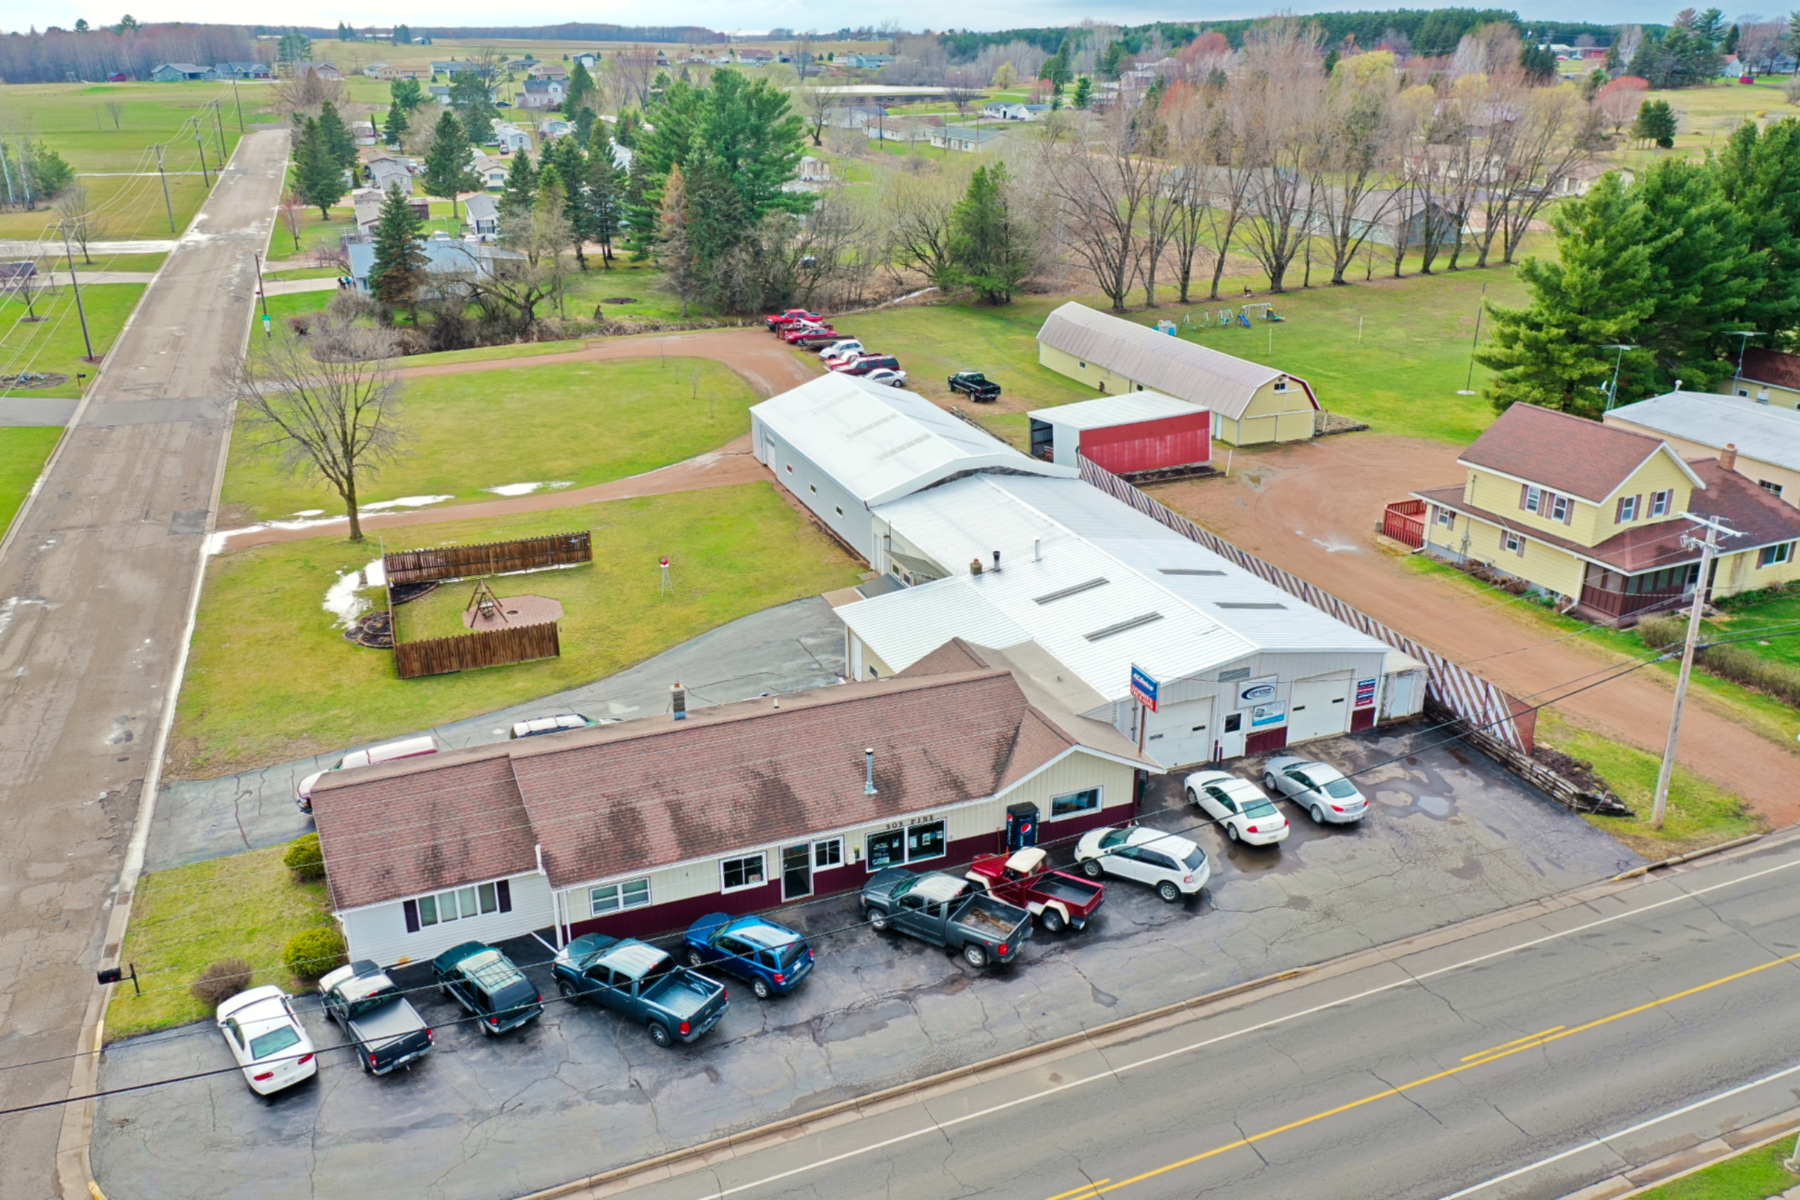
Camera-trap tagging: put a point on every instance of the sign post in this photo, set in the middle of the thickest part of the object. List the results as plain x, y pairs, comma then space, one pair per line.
1144, 688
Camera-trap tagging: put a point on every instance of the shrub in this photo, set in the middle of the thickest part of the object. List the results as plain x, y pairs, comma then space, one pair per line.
305, 859
1660, 632
1740, 664
314, 952
221, 981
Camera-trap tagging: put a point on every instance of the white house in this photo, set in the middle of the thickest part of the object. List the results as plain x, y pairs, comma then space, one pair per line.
510, 138
1006, 110
967, 138
482, 212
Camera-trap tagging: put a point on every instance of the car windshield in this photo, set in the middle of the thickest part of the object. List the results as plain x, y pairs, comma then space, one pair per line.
1114, 838
790, 954
1195, 860
1339, 788
1258, 808
274, 1041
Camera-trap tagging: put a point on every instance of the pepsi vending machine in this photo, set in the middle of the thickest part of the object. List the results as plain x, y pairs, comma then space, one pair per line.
1021, 826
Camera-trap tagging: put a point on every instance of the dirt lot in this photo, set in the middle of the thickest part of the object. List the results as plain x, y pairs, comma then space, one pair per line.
1311, 508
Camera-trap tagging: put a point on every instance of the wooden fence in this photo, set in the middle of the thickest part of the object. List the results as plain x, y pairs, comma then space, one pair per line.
489, 648
1473, 700
1404, 521
488, 558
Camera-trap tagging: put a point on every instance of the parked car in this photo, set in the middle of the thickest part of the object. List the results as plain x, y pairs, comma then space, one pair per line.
842, 348
377, 1018
1056, 898
642, 984
1171, 864
849, 356
267, 1039
1317, 787
555, 724
1238, 805
887, 375
975, 385
771, 958
406, 748
946, 911
782, 320
808, 338
486, 982
863, 364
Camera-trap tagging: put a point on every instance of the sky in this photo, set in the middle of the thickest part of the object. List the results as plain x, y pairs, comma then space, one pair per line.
763, 14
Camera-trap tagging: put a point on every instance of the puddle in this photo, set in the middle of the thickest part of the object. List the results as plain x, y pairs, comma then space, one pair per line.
1437, 806
1252, 858
342, 600
525, 489
1337, 545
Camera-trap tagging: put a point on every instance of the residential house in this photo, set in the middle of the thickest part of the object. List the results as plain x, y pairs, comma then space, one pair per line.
242, 70
967, 138
510, 138
1768, 377
439, 92
443, 67
755, 58
446, 259
374, 70
590, 61
492, 171
551, 72
639, 828
551, 128
323, 70
540, 94
388, 172
482, 212
1590, 515
1251, 403
911, 130
1006, 110
1760, 441
814, 170
388, 74
867, 62
181, 73
855, 116
364, 131
367, 203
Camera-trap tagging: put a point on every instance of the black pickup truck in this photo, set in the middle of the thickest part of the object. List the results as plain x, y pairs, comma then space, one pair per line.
380, 1022
947, 911
976, 385
641, 983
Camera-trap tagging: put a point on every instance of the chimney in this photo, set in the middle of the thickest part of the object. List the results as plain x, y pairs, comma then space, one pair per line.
974, 566
1728, 458
869, 771
678, 701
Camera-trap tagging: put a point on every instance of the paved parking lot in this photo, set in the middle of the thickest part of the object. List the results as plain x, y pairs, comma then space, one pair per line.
1449, 836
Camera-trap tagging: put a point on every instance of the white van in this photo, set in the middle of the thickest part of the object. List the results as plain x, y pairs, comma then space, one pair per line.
406, 748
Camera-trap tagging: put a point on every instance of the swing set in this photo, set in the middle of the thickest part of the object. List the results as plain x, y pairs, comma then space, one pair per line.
1209, 318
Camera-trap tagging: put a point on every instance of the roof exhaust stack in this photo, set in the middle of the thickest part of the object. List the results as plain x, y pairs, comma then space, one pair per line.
1037, 549
1728, 457
996, 560
974, 566
1678, 385
869, 771
678, 702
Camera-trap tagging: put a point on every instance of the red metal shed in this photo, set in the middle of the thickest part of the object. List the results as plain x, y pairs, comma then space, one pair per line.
1133, 431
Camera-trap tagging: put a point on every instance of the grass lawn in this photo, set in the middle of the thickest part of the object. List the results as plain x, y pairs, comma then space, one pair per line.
641, 282
122, 262
576, 423
1751, 1175
271, 678
54, 345
185, 919
1783, 644
491, 353
23, 452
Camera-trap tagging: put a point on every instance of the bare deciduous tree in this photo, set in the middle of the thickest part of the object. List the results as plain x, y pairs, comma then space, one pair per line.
1280, 97
1547, 147
77, 219
818, 106
306, 92
1359, 152
1103, 181
328, 403
293, 214
916, 208
116, 110
635, 69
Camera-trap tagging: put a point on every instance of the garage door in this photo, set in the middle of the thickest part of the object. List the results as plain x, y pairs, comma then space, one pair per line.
1318, 708
1181, 734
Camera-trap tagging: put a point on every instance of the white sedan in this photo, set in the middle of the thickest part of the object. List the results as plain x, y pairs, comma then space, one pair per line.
1238, 805
889, 377
267, 1039
1172, 865
842, 348
1320, 789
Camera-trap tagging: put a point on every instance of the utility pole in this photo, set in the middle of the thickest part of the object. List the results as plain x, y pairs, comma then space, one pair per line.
160, 174
239, 101
1709, 549
219, 131
201, 146
76, 288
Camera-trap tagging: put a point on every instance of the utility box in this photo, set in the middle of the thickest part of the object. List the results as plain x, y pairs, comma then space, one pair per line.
1133, 431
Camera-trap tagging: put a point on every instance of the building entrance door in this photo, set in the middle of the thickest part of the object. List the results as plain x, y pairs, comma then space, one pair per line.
796, 871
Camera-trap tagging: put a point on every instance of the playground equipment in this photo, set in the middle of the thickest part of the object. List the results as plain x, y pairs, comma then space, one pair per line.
1264, 310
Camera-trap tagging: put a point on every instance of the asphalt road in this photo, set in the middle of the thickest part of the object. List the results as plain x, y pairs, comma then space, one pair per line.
95, 586
1528, 1060
1451, 837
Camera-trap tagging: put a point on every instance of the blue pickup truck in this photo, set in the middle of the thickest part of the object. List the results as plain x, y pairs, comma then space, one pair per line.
641, 983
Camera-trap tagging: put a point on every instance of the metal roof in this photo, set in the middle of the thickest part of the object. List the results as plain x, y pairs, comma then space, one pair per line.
1127, 408
1186, 370
880, 443
1763, 432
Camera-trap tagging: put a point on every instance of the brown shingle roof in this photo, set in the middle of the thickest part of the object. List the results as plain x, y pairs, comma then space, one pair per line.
1772, 366
652, 792
1564, 453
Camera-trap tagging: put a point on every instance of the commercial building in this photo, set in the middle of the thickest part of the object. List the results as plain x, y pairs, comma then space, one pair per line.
1758, 440
1250, 403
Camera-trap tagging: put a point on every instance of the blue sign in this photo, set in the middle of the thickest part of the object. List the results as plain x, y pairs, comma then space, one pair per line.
1143, 688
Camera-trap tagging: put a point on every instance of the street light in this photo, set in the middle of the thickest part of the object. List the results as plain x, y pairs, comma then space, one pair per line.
1742, 345
1612, 390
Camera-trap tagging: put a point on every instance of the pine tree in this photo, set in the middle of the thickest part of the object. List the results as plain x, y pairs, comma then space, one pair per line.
399, 268
584, 126
338, 139
605, 198
1084, 91
520, 190
449, 166
1655, 123
582, 91
989, 250
1759, 175
393, 130
318, 177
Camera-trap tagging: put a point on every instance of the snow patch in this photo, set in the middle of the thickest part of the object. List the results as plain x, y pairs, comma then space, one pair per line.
310, 512
342, 600
405, 502
525, 489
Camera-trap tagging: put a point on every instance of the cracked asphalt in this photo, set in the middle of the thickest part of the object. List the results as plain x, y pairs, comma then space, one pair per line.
1450, 836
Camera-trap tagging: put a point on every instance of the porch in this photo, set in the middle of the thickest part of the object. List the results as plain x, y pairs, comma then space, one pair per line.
1613, 598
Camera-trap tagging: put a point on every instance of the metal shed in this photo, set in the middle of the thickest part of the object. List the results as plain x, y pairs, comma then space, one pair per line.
1136, 431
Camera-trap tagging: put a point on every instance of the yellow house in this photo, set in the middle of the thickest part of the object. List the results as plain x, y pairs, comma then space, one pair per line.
1591, 514
1767, 377
1250, 403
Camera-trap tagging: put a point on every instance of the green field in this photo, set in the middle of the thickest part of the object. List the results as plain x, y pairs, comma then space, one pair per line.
1752, 1175
271, 678
23, 452
574, 423
54, 345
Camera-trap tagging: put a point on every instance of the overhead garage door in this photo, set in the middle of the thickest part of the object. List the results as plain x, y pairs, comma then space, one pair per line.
1318, 708
1181, 734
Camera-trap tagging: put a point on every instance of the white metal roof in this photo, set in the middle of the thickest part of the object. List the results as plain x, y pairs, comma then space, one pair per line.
1186, 370
881, 443
908, 624
1127, 408
1764, 432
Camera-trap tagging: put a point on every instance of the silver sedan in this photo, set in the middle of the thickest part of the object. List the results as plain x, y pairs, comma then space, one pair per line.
1317, 787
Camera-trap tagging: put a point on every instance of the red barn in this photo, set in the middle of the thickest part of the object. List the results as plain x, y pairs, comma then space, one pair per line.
1133, 431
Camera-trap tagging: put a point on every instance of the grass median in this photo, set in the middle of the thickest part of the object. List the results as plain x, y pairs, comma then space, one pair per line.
271, 678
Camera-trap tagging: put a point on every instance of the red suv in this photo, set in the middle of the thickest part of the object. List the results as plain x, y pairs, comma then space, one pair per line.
865, 363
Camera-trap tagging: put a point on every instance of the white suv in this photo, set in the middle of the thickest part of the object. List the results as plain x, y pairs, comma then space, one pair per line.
1172, 865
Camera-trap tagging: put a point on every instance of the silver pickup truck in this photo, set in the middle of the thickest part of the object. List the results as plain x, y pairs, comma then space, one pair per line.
946, 911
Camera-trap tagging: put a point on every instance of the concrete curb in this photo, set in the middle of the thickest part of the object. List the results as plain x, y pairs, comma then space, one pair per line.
1683, 1163
1690, 856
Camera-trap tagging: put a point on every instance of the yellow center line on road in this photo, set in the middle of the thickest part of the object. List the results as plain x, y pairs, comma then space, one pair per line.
1081, 1191
1481, 1060
1519, 1042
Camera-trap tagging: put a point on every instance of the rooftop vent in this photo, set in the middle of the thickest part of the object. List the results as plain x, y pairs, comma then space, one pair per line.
1186, 571
1074, 589
1122, 626
1246, 604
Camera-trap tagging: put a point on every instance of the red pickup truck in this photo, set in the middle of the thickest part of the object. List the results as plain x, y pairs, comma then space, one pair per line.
1058, 899
781, 320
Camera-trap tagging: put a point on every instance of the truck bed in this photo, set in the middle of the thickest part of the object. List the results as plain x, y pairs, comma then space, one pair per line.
987, 914
1076, 893
680, 995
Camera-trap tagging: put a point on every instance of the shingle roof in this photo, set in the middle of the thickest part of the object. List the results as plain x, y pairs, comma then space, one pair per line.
1772, 366
1762, 432
1192, 372
653, 792
1564, 453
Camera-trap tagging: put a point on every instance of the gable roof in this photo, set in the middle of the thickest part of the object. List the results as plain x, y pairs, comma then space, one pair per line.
1762, 432
1186, 370
1772, 366
1566, 453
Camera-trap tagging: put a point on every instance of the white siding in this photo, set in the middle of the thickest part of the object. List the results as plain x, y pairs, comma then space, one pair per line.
379, 932
815, 488
1075, 773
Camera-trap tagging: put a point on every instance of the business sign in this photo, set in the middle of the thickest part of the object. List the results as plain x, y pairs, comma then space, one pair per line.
1252, 692
1365, 693
1143, 688
1268, 714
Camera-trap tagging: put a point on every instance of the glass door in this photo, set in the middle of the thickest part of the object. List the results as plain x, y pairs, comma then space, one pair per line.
796, 871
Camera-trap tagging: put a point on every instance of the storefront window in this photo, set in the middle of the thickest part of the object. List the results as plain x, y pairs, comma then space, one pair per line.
885, 849
925, 841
